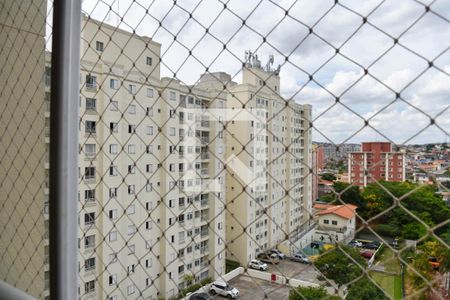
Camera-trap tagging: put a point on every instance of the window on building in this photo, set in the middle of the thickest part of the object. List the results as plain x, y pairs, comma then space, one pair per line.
149, 130
149, 187
99, 46
91, 81
113, 127
113, 236
131, 189
89, 195
148, 263
113, 171
89, 173
131, 209
91, 104
132, 89
148, 61
114, 106
89, 241
149, 93
112, 279
334, 222
89, 218
112, 214
90, 149
131, 149
89, 287
89, 264
172, 96
148, 225
113, 148
114, 83
90, 126
132, 109
326, 221
131, 229
131, 289
112, 192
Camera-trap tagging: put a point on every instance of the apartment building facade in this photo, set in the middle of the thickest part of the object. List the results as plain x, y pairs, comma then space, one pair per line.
376, 161
147, 226
272, 144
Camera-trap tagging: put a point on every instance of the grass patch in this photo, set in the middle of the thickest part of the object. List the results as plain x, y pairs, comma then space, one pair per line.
391, 263
391, 284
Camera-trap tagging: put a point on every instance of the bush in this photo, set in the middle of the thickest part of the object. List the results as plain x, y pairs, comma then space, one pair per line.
230, 265
388, 229
194, 287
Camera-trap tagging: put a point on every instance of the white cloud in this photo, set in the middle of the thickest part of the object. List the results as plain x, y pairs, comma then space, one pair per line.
314, 54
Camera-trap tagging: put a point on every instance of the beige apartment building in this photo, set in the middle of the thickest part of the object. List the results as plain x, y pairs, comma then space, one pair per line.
146, 220
268, 154
162, 197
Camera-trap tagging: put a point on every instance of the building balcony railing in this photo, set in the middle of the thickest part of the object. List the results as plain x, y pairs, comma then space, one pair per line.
204, 155
204, 202
203, 233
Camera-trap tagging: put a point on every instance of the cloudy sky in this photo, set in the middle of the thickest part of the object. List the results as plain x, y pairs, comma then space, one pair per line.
366, 75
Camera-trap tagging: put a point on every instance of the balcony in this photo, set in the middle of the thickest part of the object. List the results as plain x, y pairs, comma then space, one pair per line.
204, 233
204, 250
204, 202
204, 155
204, 140
204, 218
204, 172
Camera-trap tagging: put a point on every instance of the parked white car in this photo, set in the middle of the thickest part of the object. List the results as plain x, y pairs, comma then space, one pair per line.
279, 254
258, 265
224, 289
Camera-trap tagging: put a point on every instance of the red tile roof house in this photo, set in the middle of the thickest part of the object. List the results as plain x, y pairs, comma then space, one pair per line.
336, 223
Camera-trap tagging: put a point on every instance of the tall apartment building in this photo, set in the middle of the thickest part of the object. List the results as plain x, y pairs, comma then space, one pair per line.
376, 161
317, 161
145, 219
340, 152
273, 144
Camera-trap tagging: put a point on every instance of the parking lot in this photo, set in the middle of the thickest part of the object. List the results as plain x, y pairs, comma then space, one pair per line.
295, 270
252, 289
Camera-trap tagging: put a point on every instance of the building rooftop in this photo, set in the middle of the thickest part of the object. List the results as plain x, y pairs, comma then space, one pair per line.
346, 211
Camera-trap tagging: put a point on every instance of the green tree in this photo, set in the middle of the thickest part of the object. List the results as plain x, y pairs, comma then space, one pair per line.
310, 293
350, 194
364, 289
336, 265
328, 176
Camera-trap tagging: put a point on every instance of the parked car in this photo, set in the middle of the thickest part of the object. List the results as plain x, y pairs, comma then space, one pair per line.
315, 245
268, 258
280, 254
434, 263
367, 254
355, 243
224, 289
200, 296
258, 265
298, 257
371, 246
